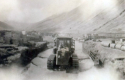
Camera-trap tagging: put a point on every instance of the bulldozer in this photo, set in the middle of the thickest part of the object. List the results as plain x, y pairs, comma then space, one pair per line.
63, 57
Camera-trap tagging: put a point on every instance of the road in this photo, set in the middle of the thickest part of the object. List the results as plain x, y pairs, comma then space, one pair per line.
37, 70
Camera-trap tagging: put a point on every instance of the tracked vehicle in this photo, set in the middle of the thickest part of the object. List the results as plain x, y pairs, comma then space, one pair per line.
63, 56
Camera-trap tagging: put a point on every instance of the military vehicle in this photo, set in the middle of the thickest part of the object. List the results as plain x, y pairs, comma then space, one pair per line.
63, 56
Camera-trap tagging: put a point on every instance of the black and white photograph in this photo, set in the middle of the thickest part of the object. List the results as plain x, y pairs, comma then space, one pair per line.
62, 39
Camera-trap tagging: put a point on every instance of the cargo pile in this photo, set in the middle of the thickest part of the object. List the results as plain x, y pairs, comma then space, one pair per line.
104, 55
7, 51
115, 44
31, 52
17, 46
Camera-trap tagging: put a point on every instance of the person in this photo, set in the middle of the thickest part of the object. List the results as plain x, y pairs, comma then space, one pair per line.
68, 43
11, 41
61, 44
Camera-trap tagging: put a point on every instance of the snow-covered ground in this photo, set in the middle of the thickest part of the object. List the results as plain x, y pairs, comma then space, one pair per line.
37, 70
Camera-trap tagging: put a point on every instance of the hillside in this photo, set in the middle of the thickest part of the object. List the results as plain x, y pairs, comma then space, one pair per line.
107, 20
4, 26
19, 25
115, 24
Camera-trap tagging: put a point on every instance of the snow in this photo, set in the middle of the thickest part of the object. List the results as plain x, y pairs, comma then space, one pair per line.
38, 68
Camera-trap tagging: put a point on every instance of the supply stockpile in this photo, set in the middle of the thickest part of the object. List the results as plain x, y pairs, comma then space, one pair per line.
28, 54
105, 55
115, 45
103, 52
6, 53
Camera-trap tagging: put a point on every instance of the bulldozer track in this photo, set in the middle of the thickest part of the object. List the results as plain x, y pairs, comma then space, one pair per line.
51, 62
75, 61
49, 65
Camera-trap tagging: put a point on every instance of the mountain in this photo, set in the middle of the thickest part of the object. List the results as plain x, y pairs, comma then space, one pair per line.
78, 20
59, 23
107, 20
4, 26
19, 25
115, 24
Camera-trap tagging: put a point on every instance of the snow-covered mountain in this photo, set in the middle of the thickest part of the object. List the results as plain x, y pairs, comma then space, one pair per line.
107, 20
83, 19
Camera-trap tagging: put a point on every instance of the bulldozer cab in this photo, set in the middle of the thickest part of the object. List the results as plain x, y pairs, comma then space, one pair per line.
65, 42
64, 50
63, 54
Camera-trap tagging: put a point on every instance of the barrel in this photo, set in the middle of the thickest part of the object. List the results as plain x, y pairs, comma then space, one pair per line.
123, 48
112, 45
105, 44
123, 43
118, 46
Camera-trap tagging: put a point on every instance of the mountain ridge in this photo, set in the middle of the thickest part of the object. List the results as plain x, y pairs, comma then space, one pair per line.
73, 22
4, 26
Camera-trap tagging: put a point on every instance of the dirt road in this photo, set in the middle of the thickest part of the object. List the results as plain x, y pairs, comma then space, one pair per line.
38, 68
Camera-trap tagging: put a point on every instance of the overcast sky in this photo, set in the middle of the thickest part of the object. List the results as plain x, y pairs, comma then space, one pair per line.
36, 10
